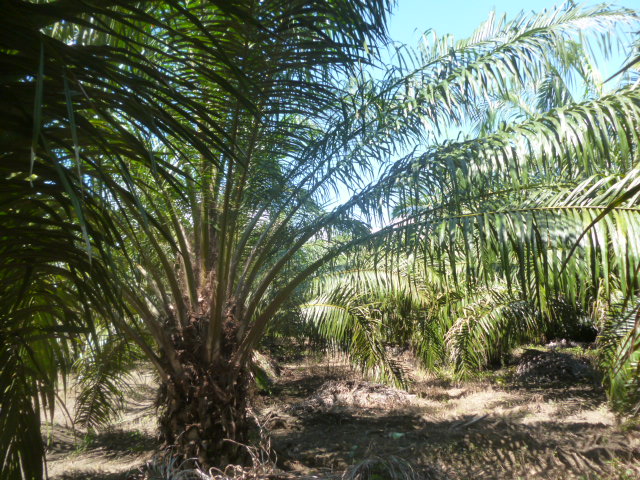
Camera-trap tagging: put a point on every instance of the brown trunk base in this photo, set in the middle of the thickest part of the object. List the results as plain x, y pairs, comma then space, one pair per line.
204, 415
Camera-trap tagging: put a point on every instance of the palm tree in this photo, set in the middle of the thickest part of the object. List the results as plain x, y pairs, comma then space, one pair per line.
524, 228
157, 156
219, 260
65, 92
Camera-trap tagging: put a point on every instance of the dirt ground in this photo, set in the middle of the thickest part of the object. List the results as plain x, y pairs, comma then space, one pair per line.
324, 421
114, 453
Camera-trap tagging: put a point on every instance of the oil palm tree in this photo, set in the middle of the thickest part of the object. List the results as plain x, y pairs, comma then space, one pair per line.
524, 228
145, 147
65, 92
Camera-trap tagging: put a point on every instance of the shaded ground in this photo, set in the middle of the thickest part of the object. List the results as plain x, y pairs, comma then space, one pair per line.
114, 453
544, 419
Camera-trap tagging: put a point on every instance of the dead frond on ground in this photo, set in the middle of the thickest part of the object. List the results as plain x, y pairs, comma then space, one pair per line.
323, 421
354, 394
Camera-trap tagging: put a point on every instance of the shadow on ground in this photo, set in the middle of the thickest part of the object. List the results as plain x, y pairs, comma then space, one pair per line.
527, 431
479, 447
322, 421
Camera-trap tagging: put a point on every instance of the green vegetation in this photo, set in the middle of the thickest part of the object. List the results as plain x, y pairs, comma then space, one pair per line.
169, 171
524, 229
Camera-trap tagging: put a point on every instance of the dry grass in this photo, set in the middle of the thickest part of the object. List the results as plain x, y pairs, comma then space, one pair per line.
335, 394
390, 468
484, 429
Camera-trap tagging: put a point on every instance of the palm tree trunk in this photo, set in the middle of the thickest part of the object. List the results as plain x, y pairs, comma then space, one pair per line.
203, 413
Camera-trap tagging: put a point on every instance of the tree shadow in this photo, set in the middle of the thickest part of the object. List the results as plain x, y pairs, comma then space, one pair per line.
83, 455
479, 447
89, 475
115, 443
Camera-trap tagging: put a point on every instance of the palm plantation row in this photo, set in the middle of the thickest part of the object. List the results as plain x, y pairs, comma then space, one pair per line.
181, 178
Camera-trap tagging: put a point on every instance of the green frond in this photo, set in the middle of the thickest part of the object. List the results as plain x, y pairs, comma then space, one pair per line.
620, 347
101, 375
20, 436
361, 312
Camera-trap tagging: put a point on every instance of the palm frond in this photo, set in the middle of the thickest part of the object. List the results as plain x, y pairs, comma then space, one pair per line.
101, 379
620, 349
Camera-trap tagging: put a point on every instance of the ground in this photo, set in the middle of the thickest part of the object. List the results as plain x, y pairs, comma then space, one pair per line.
543, 417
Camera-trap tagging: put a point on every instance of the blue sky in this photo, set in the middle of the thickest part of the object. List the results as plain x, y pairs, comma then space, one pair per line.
461, 17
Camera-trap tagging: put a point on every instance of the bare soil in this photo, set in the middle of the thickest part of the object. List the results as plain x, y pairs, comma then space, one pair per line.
538, 419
